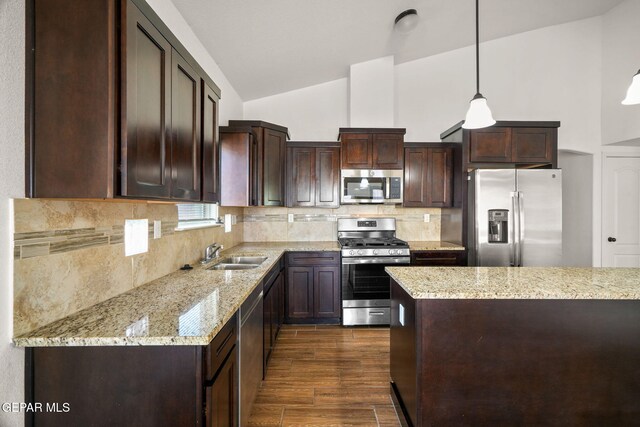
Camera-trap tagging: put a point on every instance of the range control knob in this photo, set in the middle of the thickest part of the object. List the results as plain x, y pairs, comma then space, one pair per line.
392, 252
359, 252
375, 252
351, 252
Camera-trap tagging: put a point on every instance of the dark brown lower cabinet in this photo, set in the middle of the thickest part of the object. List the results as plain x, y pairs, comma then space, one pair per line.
508, 362
221, 403
273, 310
135, 385
438, 258
313, 287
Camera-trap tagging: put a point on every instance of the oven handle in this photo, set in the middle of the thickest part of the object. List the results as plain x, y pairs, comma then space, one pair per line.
377, 260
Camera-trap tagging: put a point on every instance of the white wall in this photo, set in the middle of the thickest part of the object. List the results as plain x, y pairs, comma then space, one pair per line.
12, 20
230, 103
371, 93
537, 75
620, 61
577, 205
313, 113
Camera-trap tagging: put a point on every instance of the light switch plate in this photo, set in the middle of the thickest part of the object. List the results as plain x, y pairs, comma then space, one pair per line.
136, 236
290, 217
427, 217
157, 229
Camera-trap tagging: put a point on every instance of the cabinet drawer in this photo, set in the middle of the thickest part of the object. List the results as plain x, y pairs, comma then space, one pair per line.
438, 258
313, 258
221, 345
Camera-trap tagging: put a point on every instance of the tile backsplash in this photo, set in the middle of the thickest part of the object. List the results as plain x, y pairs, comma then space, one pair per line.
272, 224
69, 255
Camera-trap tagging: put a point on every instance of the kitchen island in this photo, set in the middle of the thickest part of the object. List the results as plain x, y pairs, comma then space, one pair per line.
515, 346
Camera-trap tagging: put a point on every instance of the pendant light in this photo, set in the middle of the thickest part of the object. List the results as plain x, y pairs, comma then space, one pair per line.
479, 114
633, 93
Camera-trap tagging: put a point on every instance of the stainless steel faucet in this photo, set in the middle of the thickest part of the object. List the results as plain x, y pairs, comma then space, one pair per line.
211, 252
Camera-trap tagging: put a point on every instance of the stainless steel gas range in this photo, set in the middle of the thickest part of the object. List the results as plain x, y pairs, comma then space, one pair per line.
368, 246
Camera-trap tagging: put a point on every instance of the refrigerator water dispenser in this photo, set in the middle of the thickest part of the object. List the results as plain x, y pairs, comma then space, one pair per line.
498, 226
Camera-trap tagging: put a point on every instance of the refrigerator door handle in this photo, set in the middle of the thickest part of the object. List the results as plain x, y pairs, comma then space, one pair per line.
520, 227
513, 256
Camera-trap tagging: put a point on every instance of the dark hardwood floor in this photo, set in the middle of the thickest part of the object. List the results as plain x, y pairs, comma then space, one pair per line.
327, 376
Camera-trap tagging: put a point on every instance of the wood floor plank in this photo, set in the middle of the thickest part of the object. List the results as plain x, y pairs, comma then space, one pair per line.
328, 416
321, 375
266, 415
386, 415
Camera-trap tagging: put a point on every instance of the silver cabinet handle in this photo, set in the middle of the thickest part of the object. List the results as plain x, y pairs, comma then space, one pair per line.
376, 313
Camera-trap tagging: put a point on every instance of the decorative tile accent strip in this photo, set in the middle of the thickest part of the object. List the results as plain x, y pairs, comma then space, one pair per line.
314, 218
42, 243
78, 243
265, 218
30, 251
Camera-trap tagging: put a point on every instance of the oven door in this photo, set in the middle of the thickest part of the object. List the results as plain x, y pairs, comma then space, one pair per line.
366, 289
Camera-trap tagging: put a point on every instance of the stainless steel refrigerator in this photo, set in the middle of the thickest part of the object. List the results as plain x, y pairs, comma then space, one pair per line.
515, 217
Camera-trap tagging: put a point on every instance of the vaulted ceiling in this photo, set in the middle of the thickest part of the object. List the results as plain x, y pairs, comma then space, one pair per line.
266, 47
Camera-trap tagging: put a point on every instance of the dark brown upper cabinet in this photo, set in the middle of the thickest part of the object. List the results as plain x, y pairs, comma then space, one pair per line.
186, 130
210, 145
271, 140
115, 105
524, 143
238, 166
428, 175
372, 148
313, 174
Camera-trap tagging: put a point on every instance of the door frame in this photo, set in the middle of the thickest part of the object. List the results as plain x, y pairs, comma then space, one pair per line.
632, 153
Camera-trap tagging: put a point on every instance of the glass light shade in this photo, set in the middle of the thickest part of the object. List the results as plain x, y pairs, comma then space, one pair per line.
633, 93
407, 21
479, 115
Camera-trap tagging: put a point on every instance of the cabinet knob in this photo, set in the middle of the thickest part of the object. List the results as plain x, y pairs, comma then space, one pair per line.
611, 239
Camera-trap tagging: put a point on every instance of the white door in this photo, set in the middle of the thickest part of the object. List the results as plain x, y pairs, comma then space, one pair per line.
621, 212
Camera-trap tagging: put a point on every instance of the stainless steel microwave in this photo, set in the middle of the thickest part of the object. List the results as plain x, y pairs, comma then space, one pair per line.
371, 186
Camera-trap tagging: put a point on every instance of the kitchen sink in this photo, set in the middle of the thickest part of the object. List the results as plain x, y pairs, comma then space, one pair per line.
227, 266
255, 260
238, 263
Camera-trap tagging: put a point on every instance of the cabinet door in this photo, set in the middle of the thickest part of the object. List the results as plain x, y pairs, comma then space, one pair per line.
301, 173
326, 289
280, 303
388, 151
415, 177
147, 114
439, 178
210, 183
274, 146
222, 395
532, 145
490, 145
356, 151
300, 292
185, 130
327, 174
267, 320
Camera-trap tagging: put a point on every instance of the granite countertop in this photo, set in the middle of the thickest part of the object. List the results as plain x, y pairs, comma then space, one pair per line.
518, 282
182, 308
434, 245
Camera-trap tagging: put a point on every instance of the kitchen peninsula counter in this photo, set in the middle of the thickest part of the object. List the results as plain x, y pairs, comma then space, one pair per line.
183, 308
515, 346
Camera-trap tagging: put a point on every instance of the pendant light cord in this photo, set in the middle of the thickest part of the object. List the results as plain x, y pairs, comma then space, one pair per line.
477, 49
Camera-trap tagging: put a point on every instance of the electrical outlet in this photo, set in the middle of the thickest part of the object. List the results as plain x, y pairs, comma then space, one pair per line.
290, 217
427, 217
136, 236
228, 222
157, 229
